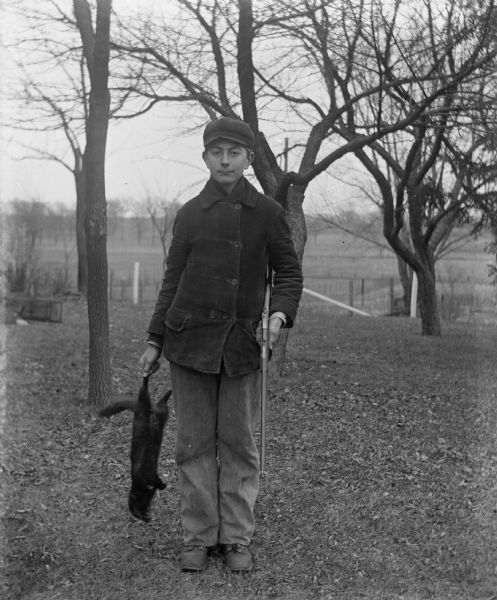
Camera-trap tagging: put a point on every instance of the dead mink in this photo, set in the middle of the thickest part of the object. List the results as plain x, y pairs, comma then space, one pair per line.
146, 439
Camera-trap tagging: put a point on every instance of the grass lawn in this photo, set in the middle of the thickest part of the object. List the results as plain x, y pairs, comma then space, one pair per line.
381, 460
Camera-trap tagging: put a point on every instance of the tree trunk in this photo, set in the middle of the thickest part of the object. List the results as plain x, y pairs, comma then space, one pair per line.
296, 221
98, 317
96, 50
428, 303
425, 262
405, 276
80, 178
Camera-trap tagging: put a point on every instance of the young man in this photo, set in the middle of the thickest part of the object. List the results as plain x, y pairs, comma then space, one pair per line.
205, 323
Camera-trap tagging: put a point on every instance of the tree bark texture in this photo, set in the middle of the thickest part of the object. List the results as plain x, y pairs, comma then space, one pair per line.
80, 178
424, 263
265, 166
296, 221
96, 50
428, 303
266, 169
405, 276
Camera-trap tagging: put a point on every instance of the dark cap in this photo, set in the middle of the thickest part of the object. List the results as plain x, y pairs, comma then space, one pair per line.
233, 130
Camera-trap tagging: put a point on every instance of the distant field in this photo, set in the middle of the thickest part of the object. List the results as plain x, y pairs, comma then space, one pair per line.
331, 260
330, 253
336, 254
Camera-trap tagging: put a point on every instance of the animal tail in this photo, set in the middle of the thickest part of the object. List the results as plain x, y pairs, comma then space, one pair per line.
117, 407
121, 405
166, 396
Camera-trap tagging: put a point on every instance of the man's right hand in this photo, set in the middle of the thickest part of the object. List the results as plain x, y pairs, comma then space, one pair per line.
149, 361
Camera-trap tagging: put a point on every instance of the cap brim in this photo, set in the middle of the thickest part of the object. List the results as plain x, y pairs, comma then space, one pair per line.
229, 137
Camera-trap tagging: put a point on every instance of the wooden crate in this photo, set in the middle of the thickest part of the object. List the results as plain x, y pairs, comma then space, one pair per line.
40, 309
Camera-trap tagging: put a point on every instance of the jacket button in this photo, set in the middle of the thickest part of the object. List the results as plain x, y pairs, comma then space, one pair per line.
238, 206
234, 281
236, 244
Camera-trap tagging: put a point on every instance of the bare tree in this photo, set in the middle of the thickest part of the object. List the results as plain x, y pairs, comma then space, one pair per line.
367, 226
420, 205
478, 170
139, 218
339, 75
162, 214
25, 231
364, 223
53, 96
96, 49
52, 92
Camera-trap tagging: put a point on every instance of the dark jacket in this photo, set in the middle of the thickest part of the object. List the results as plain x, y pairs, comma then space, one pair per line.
212, 294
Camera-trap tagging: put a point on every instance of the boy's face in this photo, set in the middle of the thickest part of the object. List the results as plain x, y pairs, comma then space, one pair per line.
226, 162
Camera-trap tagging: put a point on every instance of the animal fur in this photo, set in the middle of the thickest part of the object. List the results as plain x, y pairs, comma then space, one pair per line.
146, 439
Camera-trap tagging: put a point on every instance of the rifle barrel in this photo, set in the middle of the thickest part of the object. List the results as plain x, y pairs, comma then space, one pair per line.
264, 368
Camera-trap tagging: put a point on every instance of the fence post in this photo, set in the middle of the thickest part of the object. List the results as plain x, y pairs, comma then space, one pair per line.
136, 280
362, 293
351, 293
392, 297
414, 295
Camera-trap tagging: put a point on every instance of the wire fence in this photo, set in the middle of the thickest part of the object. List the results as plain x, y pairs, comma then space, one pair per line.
458, 300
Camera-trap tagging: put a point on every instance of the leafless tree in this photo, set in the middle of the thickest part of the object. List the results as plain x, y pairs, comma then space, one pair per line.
478, 174
340, 76
363, 222
162, 214
52, 98
454, 230
24, 234
96, 50
421, 202
139, 217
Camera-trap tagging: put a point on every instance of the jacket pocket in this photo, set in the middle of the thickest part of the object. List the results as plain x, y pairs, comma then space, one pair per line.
176, 319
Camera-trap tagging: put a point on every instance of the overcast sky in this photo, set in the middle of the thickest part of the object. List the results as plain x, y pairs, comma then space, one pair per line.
146, 155
142, 157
